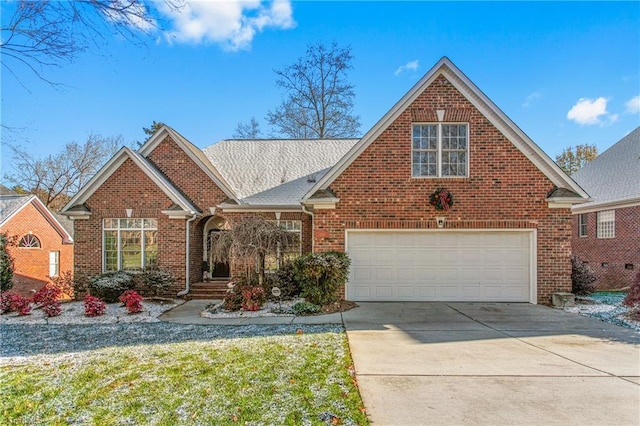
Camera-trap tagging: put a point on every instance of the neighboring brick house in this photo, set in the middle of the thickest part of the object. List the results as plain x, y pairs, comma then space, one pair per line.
606, 230
43, 242
506, 237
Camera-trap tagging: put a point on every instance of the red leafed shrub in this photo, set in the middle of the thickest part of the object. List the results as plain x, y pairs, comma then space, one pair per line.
11, 302
48, 298
47, 295
52, 309
632, 300
253, 298
64, 282
93, 306
132, 300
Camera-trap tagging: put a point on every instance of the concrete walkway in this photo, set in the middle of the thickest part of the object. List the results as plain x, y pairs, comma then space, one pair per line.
492, 363
189, 313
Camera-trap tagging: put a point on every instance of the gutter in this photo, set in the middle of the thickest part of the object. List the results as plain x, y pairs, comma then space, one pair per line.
313, 227
187, 283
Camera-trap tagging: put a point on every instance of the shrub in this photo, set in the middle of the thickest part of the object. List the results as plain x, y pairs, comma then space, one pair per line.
48, 297
321, 274
305, 308
93, 306
132, 300
632, 299
285, 279
6, 262
12, 302
111, 285
232, 300
65, 283
582, 278
154, 282
252, 297
52, 309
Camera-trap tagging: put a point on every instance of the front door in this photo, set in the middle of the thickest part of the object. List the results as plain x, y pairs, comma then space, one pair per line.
216, 269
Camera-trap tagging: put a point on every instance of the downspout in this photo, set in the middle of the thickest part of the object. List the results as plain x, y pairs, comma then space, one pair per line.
313, 228
187, 283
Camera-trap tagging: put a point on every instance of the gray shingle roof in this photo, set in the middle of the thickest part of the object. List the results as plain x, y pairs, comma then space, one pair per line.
6, 191
9, 204
275, 171
614, 175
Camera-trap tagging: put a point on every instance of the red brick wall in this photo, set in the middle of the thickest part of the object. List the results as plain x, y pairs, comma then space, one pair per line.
31, 265
504, 190
616, 252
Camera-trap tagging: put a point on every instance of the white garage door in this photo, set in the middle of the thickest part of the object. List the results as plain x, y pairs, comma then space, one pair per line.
439, 266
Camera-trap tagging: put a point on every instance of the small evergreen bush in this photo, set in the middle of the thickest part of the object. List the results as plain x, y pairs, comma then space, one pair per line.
582, 278
285, 279
154, 282
111, 285
320, 276
305, 308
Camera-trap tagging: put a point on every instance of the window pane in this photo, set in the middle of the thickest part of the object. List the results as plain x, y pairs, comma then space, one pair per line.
606, 225
54, 263
150, 224
150, 248
131, 250
111, 223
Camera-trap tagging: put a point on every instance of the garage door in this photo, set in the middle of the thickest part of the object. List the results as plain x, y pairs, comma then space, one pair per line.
439, 266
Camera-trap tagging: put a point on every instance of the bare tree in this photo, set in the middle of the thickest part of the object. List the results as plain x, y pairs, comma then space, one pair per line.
43, 33
318, 97
55, 178
249, 241
250, 130
571, 160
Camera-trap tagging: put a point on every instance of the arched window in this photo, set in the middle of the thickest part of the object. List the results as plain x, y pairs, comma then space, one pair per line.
29, 241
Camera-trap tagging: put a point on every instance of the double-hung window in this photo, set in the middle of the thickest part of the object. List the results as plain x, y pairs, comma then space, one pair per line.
130, 244
440, 150
582, 225
54, 263
274, 261
606, 226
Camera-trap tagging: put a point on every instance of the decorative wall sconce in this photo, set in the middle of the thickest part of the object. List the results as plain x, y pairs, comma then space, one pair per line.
440, 221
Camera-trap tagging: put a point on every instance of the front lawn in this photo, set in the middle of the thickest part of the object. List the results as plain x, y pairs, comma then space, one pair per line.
290, 378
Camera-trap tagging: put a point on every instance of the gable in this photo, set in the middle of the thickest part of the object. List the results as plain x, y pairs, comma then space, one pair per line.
36, 211
444, 72
76, 206
171, 151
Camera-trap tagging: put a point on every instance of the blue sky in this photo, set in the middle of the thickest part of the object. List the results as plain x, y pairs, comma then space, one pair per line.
565, 73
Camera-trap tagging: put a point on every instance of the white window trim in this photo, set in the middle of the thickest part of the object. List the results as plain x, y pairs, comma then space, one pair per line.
439, 151
608, 231
54, 263
583, 224
142, 229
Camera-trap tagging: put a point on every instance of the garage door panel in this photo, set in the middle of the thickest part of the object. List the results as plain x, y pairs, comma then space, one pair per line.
428, 265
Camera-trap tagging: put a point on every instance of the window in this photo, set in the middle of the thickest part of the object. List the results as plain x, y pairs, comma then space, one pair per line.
606, 226
582, 225
130, 244
54, 263
29, 241
272, 262
440, 150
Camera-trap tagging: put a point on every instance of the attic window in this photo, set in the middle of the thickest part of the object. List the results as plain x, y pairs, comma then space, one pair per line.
29, 241
440, 150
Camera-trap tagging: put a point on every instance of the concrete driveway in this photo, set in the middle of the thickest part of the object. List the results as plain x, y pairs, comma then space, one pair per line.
492, 364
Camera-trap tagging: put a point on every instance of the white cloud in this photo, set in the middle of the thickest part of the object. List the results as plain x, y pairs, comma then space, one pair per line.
633, 105
233, 24
135, 15
409, 66
533, 96
591, 111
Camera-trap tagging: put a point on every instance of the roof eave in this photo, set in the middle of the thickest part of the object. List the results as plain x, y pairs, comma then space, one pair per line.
240, 208
618, 204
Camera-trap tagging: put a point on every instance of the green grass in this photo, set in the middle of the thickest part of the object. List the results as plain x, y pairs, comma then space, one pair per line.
287, 379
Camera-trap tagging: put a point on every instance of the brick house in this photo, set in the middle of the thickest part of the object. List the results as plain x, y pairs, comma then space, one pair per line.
44, 244
606, 230
505, 238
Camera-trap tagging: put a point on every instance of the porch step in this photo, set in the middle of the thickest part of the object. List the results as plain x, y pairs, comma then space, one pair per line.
214, 289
